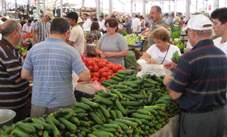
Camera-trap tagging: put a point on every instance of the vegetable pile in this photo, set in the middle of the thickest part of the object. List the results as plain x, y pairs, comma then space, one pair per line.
101, 69
134, 107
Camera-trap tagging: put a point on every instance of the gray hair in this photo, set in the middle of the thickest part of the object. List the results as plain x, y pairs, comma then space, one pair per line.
8, 27
204, 32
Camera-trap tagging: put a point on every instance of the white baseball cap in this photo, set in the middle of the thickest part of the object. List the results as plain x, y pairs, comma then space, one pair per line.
199, 22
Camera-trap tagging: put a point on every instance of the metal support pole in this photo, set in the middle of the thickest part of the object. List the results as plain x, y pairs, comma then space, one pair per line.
144, 8
169, 6
83, 1
216, 4
110, 7
131, 7
196, 5
188, 3
61, 8
97, 9
175, 7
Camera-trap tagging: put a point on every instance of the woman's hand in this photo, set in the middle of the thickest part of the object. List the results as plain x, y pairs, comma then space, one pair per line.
170, 66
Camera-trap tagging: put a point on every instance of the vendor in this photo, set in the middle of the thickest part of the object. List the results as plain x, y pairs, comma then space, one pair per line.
162, 51
112, 45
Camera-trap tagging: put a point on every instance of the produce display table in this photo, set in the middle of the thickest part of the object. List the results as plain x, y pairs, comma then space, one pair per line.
169, 130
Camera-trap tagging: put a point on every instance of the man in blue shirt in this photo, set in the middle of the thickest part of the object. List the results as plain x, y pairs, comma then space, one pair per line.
199, 83
50, 65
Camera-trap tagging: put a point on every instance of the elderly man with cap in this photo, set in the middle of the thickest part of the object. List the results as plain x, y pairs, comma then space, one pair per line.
76, 37
13, 90
199, 83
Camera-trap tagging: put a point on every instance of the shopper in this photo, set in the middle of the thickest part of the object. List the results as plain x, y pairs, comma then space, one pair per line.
199, 83
27, 27
41, 29
76, 37
50, 65
14, 92
219, 18
112, 45
162, 51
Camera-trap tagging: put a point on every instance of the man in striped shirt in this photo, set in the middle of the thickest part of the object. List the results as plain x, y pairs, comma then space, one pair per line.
41, 29
13, 90
199, 84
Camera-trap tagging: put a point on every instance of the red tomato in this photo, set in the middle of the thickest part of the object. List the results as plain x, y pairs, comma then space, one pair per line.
96, 74
95, 68
105, 74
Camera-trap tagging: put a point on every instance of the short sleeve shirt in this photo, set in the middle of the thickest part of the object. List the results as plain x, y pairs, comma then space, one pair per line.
52, 62
162, 57
114, 43
77, 36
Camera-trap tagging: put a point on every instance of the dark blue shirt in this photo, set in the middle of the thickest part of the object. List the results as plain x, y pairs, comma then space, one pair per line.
201, 77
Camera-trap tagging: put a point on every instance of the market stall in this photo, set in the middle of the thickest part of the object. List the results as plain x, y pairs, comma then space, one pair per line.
131, 107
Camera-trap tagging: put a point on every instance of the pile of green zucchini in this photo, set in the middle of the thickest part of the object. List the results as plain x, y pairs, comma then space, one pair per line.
133, 107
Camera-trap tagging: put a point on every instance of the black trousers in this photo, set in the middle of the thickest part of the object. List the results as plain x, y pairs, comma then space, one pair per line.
208, 124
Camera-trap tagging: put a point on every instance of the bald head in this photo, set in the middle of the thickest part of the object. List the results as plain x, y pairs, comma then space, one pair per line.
11, 31
9, 27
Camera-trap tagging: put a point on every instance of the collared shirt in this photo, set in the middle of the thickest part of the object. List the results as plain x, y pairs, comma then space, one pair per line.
52, 62
77, 37
201, 77
43, 30
13, 91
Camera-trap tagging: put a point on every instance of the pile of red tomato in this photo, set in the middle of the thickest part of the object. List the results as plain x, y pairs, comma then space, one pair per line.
101, 69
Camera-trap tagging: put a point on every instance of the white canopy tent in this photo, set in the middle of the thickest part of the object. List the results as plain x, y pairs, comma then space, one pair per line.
124, 6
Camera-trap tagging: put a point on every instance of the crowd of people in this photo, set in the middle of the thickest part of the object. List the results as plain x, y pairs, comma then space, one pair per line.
198, 84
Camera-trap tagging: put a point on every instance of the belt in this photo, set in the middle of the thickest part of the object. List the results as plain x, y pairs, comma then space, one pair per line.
211, 109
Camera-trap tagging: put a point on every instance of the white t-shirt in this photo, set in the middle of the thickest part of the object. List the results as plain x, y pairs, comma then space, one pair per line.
102, 25
87, 25
159, 56
26, 28
220, 45
77, 36
136, 25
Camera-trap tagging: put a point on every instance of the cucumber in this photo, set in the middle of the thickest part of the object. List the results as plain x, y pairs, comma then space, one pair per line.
55, 130
132, 103
103, 100
69, 125
119, 114
105, 111
96, 118
45, 134
75, 120
116, 78
102, 134
142, 116
27, 128
90, 103
83, 106
128, 122
19, 133
120, 107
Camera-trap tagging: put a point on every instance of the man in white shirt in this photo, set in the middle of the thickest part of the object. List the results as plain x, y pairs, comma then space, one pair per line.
27, 27
219, 18
87, 24
136, 24
76, 37
102, 24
